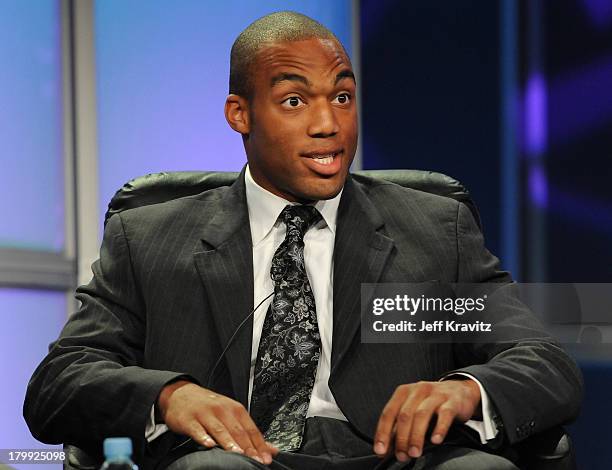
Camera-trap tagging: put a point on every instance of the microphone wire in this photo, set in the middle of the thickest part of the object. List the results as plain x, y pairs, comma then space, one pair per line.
211, 377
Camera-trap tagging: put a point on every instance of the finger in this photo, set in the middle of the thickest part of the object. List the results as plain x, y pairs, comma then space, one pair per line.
272, 448
402, 429
259, 446
405, 418
198, 433
208, 441
446, 416
233, 423
221, 435
420, 422
386, 422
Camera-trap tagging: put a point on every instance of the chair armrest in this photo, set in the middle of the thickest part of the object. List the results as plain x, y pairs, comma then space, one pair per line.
77, 459
549, 450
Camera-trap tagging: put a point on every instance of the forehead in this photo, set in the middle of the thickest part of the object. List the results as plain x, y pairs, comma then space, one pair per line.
307, 56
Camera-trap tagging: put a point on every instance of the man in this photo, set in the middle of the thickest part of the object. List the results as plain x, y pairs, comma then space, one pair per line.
175, 282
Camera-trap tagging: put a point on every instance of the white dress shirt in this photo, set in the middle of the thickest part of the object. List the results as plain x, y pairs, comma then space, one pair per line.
267, 233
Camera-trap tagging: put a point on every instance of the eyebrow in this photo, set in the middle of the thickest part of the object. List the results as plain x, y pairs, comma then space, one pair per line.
294, 77
345, 74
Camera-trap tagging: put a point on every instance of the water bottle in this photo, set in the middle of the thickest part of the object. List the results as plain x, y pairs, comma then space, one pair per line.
118, 454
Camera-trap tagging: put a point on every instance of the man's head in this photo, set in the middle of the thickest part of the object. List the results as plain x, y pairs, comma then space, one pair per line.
292, 97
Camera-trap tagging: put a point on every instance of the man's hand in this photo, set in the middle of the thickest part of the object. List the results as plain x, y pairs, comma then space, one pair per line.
211, 419
411, 408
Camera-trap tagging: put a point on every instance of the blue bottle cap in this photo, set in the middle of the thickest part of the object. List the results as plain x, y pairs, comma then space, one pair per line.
115, 447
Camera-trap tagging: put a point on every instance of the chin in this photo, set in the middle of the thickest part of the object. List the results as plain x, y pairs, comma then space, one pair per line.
317, 188
321, 194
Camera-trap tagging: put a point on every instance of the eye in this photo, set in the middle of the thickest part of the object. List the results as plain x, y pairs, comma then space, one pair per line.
293, 102
342, 98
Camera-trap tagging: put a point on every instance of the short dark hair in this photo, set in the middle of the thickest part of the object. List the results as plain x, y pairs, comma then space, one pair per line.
281, 26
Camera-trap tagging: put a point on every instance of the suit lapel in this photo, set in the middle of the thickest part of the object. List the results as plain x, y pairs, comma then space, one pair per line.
360, 253
225, 266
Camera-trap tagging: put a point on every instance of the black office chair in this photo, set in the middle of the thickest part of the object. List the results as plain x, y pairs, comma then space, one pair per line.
550, 450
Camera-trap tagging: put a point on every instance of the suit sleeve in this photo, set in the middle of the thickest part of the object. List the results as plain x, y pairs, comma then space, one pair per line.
92, 384
531, 381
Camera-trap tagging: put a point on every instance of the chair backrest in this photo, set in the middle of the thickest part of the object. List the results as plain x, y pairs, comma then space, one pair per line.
160, 187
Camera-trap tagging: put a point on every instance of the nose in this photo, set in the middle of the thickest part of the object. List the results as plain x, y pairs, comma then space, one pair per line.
323, 122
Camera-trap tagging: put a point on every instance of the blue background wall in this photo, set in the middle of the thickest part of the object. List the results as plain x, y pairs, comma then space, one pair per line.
31, 125
431, 98
31, 194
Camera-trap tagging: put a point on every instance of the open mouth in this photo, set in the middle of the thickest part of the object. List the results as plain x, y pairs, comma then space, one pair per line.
324, 162
325, 159
321, 158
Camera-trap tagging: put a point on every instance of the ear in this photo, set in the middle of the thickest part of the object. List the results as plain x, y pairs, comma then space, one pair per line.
237, 113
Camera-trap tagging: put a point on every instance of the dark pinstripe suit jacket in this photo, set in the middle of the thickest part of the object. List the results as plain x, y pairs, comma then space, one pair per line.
174, 280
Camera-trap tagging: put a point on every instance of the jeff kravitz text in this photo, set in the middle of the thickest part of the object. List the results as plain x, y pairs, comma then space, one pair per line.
437, 326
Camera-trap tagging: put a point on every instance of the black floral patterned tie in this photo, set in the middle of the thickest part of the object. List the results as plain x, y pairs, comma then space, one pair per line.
290, 343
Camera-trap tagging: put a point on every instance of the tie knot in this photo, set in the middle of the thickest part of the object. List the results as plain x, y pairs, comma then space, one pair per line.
299, 218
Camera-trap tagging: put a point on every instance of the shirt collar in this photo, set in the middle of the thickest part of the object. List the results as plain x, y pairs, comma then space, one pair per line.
265, 207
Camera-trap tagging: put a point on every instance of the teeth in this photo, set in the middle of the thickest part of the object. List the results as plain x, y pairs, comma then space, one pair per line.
325, 160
